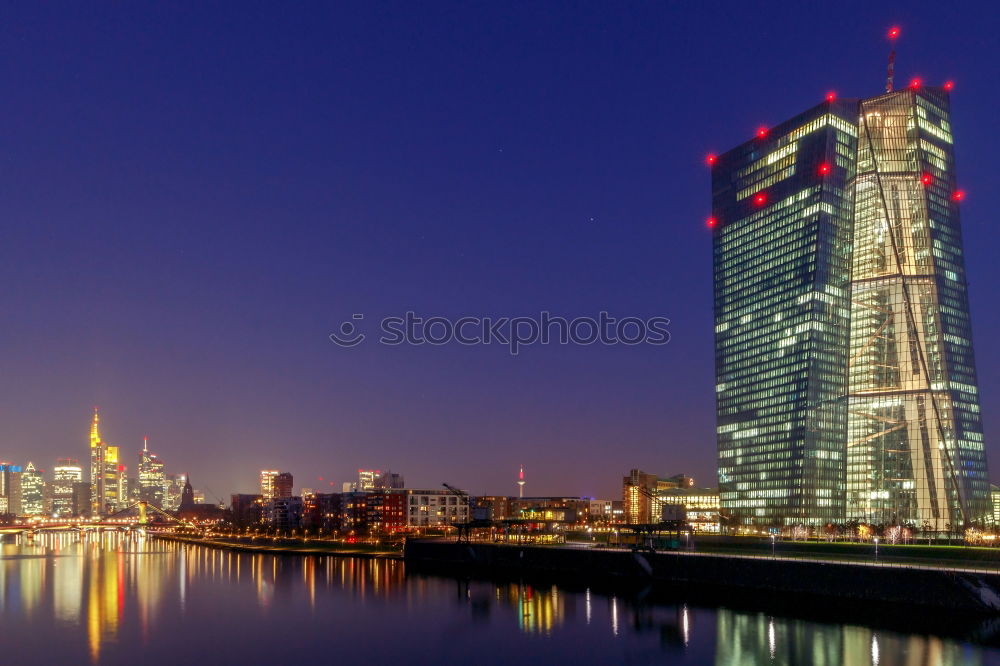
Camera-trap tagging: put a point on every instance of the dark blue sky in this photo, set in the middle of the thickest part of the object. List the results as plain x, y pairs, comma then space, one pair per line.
195, 195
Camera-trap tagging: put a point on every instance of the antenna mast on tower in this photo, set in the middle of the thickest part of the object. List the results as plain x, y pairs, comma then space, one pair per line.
893, 34
520, 482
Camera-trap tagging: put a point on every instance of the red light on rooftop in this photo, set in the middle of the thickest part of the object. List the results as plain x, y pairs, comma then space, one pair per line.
761, 132
958, 195
926, 179
916, 83
948, 85
830, 96
710, 159
711, 222
824, 169
894, 32
760, 199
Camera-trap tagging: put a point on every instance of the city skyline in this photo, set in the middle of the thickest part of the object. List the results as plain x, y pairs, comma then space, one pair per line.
185, 265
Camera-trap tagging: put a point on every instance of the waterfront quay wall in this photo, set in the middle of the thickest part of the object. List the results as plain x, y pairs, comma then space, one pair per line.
914, 586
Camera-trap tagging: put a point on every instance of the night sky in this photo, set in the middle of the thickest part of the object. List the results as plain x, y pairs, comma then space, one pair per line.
195, 195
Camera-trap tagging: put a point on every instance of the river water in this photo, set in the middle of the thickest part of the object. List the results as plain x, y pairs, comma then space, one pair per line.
128, 599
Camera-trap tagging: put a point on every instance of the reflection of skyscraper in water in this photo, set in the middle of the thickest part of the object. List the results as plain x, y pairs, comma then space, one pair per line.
759, 638
67, 579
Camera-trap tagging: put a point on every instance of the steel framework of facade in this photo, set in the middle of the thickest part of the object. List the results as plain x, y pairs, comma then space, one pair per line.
911, 458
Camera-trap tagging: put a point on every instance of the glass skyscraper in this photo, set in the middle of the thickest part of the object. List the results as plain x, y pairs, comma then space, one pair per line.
915, 438
845, 383
782, 221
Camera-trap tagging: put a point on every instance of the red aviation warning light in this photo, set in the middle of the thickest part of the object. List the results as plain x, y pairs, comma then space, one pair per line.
711, 222
958, 195
761, 132
916, 83
894, 32
824, 169
760, 199
710, 159
830, 96
948, 85
926, 179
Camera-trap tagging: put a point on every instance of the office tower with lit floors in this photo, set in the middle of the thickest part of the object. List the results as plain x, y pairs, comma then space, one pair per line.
846, 385
781, 225
915, 438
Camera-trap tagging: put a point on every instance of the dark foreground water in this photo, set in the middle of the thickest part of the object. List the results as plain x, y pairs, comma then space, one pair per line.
121, 599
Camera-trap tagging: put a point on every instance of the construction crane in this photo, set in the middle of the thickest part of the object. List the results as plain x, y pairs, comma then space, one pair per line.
645, 531
464, 529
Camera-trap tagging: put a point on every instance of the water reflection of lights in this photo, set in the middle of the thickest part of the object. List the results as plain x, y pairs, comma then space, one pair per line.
97, 579
614, 616
685, 625
118, 588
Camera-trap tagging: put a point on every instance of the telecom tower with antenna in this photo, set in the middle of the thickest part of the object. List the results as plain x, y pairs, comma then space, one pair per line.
520, 482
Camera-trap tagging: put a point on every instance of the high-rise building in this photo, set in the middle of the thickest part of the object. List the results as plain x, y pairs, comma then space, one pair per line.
282, 486
10, 489
173, 488
915, 438
81, 499
108, 489
267, 483
150, 476
32, 491
366, 479
845, 382
65, 475
389, 480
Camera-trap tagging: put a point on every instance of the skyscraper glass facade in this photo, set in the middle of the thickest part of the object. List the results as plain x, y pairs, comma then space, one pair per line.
915, 439
846, 385
781, 257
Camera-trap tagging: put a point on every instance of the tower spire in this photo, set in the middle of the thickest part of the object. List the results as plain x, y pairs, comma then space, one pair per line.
893, 34
95, 433
520, 482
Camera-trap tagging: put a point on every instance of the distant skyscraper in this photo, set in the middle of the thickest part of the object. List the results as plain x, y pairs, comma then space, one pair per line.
150, 476
173, 487
282, 486
65, 475
366, 478
845, 395
107, 474
389, 480
81, 499
10, 489
267, 483
32, 491
187, 497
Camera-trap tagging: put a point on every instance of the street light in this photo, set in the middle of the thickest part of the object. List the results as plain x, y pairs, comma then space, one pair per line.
772, 545
876, 549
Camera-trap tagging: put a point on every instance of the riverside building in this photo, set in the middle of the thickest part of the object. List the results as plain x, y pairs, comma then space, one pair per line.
845, 377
